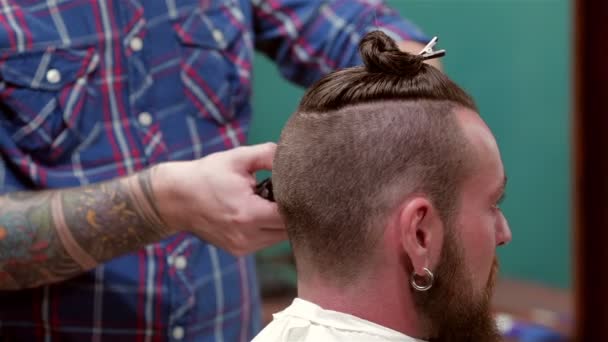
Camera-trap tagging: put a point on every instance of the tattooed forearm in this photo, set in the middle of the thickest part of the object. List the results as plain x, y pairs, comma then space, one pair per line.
52, 235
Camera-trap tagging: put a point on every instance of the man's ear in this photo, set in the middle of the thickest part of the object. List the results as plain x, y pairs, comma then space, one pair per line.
421, 233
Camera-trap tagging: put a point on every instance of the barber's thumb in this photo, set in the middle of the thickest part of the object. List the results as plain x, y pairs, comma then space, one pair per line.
257, 157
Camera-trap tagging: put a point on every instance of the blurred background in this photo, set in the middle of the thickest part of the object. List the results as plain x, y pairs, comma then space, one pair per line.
514, 57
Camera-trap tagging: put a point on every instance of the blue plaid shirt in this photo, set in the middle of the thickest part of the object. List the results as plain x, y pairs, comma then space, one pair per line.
92, 90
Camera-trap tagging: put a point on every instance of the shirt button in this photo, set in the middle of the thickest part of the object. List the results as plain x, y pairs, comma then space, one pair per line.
145, 119
180, 262
218, 36
178, 333
136, 44
53, 76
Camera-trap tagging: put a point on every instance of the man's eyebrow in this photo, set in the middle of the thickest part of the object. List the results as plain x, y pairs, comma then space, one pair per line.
500, 192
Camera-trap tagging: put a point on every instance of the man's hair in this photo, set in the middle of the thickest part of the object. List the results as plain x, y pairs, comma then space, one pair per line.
361, 140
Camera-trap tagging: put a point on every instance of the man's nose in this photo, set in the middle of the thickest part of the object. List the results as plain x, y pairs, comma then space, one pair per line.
503, 231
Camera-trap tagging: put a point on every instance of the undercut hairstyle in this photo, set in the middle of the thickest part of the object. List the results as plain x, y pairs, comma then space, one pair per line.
361, 141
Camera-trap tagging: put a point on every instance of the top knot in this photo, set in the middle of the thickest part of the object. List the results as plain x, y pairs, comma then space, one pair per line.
381, 54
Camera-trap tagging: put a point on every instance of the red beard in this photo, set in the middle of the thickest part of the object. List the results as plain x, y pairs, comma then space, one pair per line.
452, 308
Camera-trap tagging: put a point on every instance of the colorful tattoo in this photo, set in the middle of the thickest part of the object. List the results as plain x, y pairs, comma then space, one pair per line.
52, 235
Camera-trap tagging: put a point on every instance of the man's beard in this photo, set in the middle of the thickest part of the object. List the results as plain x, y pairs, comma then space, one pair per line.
452, 309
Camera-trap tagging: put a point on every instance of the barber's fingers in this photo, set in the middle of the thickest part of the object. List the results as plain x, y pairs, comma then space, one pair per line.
264, 213
255, 157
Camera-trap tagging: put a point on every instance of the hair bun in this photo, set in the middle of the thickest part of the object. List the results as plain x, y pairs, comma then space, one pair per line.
381, 54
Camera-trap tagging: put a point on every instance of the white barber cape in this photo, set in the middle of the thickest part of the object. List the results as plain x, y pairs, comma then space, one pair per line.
304, 321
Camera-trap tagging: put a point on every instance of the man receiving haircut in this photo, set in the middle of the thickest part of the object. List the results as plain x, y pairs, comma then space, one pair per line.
389, 183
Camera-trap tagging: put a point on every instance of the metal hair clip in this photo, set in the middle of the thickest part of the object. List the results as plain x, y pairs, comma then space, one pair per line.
428, 53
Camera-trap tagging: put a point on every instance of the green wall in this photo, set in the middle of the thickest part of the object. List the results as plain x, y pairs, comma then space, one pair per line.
514, 58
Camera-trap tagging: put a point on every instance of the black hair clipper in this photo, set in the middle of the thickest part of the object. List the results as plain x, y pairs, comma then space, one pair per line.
264, 189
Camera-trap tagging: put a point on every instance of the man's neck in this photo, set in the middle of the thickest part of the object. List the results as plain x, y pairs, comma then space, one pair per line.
382, 299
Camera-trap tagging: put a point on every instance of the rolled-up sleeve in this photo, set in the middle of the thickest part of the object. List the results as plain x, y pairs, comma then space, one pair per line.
310, 38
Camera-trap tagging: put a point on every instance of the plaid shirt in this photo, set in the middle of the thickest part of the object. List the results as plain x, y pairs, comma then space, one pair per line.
92, 90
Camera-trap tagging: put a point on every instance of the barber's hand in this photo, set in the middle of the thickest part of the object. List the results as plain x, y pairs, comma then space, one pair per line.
214, 198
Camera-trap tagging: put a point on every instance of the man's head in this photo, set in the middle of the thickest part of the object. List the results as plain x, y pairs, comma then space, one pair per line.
390, 163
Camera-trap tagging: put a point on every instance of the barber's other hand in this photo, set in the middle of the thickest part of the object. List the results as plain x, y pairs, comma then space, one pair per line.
214, 198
